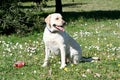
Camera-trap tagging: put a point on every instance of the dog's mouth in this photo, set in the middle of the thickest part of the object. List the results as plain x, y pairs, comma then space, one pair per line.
61, 28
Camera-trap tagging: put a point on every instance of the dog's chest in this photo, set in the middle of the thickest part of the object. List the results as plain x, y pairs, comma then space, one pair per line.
53, 46
54, 38
53, 42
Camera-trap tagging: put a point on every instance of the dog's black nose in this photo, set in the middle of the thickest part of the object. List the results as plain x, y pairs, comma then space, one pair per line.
54, 25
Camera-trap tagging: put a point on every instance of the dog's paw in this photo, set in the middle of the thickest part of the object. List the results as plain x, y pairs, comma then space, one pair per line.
62, 66
44, 65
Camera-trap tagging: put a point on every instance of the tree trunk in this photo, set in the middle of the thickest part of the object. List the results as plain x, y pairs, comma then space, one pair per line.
58, 6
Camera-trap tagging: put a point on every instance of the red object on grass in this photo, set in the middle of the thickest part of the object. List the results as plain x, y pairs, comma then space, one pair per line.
19, 64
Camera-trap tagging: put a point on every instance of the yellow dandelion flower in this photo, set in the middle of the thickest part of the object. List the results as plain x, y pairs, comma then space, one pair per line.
112, 58
72, 65
118, 65
110, 44
30, 40
65, 69
36, 58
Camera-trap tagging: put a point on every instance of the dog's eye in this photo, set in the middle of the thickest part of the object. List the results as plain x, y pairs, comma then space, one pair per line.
57, 18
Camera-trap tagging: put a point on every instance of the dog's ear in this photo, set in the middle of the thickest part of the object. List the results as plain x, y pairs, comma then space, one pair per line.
47, 19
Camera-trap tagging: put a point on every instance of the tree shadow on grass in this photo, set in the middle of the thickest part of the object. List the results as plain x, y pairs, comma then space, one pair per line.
97, 15
67, 5
26, 7
72, 4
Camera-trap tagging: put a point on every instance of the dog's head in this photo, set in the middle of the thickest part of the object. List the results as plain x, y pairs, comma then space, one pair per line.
55, 22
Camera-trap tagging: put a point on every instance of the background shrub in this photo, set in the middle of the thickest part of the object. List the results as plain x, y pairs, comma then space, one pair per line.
15, 20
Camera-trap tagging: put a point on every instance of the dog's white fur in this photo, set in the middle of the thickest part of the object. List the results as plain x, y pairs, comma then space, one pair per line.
57, 41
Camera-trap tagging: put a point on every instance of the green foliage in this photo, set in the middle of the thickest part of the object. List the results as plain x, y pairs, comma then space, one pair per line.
15, 20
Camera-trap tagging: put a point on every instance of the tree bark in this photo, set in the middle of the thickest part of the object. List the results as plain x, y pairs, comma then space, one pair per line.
58, 6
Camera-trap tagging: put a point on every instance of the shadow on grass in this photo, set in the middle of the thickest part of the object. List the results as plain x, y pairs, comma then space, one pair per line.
26, 7
97, 15
51, 6
72, 4
67, 5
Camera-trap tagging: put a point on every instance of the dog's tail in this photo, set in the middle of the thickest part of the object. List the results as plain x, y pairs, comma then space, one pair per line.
90, 59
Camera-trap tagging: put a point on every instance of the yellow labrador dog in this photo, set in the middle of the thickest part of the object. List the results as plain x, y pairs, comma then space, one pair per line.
57, 41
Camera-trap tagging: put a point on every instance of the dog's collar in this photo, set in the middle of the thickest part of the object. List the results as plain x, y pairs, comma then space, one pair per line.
49, 30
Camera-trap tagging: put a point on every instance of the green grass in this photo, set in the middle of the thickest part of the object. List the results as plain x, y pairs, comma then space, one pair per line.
95, 24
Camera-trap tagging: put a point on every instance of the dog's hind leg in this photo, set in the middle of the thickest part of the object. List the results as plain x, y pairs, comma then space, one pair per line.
76, 58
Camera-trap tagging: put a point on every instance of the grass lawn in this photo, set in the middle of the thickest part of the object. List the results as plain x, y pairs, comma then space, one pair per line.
95, 24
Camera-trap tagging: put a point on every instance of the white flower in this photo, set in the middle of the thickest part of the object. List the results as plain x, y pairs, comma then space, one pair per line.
75, 35
84, 33
30, 54
85, 24
8, 49
89, 71
11, 54
17, 44
34, 71
83, 75
118, 25
97, 75
20, 46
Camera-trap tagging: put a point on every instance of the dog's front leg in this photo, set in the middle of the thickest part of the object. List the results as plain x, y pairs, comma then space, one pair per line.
63, 56
47, 53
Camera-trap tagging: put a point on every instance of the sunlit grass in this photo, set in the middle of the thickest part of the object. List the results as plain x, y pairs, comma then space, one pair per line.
98, 37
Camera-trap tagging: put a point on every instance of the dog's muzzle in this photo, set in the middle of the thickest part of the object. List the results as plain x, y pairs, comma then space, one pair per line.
60, 27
